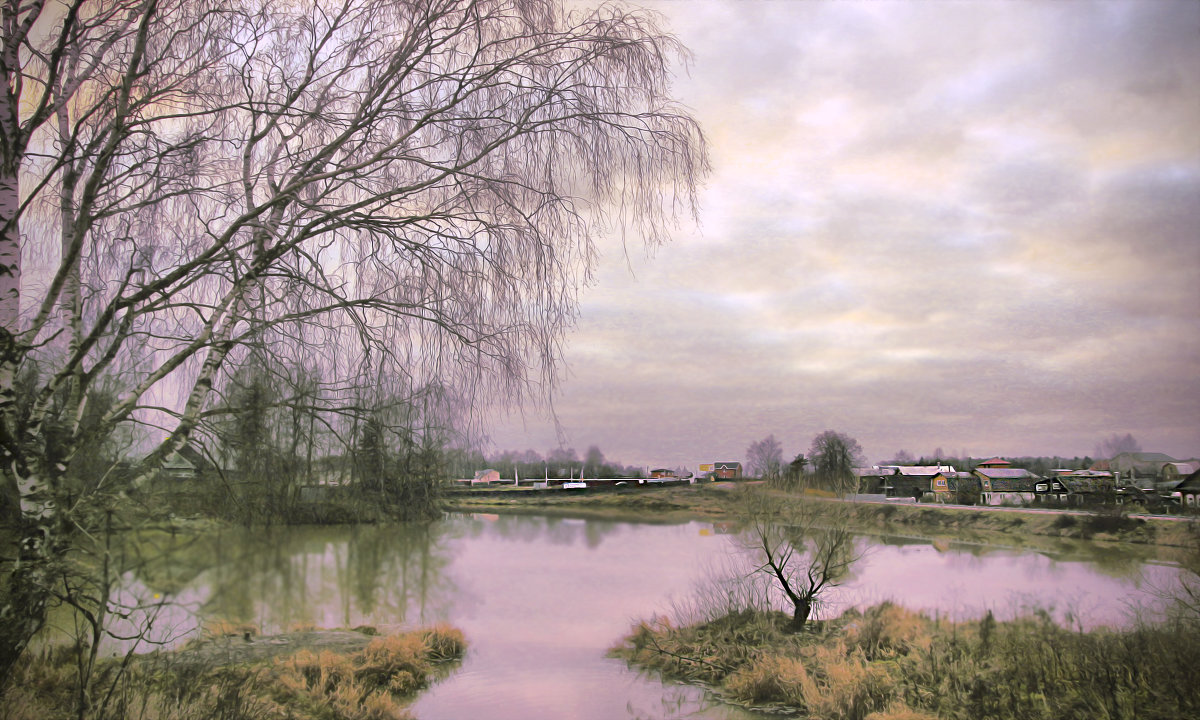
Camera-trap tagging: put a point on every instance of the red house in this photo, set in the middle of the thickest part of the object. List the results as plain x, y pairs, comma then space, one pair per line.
727, 470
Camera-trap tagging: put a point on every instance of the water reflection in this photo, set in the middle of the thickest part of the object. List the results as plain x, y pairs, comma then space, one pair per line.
541, 599
283, 578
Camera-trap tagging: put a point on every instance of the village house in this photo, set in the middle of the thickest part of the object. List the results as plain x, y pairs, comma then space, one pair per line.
483, 477
1006, 485
994, 463
1051, 489
1174, 473
1189, 491
914, 481
1077, 487
727, 470
1137, 468
960, 488
874, 480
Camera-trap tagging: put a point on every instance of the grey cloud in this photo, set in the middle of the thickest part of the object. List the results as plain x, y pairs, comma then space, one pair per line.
994, 248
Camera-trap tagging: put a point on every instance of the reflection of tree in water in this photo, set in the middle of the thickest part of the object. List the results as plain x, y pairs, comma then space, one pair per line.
541, 529
1118, 561
325, 576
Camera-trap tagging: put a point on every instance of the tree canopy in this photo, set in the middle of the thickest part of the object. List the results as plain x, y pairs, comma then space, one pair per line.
398, 193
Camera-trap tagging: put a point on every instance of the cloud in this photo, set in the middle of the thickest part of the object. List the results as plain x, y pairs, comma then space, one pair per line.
971, 225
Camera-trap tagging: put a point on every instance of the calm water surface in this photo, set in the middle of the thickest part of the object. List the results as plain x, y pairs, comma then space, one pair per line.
541, 599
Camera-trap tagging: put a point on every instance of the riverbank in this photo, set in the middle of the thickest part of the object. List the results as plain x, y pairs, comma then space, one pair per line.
304, 675
889, 663
713, 501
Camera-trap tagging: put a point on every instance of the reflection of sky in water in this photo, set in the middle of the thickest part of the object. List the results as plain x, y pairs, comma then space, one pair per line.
546, 598
541, 599
965, 584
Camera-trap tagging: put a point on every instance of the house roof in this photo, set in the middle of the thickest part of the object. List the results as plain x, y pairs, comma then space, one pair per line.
1024, 484
1190, 483
1148, 457
995, 462
1007, 479
959, 480
727, 465
1004, 473
923, 470
187, 457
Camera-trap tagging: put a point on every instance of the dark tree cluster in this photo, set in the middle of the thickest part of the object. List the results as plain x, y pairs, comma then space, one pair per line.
557, 463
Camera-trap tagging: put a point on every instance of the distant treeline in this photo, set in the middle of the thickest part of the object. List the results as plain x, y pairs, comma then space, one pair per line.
557, 463
1041, 465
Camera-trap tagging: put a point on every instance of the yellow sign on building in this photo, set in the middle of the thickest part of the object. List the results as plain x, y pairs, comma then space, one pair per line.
707, 468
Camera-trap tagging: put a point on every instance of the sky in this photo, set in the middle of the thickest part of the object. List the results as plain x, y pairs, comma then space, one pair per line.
972, 226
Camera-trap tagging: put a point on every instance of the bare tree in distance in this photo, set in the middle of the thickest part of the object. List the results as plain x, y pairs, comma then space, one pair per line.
834, 456
764, 459
408, 189
801, 546
1117, 444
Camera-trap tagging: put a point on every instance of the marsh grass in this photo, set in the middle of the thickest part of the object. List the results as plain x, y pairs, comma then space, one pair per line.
889, 663
376, 682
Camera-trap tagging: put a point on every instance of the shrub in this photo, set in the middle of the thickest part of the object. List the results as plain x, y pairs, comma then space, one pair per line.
888, 630
1111, 520
394, 662
1064, 521
771, 679
443, 642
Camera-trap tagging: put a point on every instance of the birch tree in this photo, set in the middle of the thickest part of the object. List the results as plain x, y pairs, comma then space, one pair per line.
408, 187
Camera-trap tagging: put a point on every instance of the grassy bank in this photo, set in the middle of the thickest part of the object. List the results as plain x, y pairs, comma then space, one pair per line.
315, 675
888, 663
713, 501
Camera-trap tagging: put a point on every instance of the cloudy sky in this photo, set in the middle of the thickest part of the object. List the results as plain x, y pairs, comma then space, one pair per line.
965, 225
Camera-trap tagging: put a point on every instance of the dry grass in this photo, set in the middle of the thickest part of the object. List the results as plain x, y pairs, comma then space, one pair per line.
227, 628
375, 683
772, 679
889, 663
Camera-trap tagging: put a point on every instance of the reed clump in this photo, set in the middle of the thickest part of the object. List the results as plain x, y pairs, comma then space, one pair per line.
889, 663
376, 682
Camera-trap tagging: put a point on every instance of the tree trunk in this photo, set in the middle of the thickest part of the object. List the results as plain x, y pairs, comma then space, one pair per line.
800, 614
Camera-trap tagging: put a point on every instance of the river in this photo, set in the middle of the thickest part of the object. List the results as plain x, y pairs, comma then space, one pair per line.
541, 599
